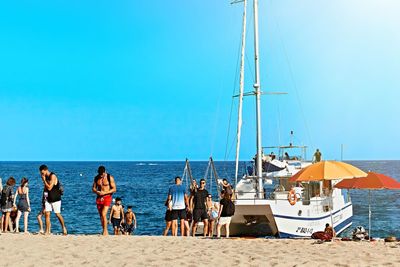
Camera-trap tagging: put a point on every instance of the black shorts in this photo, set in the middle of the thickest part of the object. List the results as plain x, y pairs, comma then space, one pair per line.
168, 215
116, 222
200, 215
128, 228
179, 214
189, 216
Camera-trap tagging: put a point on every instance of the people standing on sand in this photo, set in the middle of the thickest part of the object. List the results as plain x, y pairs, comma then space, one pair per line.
130, 221
189, 210
117, 216
104, 186
23, 204
199, 200
168, 217
7, 202
53, 193
177, 194
226, 211
212, 210
317, 156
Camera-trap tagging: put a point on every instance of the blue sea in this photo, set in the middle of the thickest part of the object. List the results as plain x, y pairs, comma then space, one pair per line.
144, 185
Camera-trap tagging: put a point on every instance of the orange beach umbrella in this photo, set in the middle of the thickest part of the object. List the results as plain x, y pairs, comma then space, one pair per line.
373, 181
327, 170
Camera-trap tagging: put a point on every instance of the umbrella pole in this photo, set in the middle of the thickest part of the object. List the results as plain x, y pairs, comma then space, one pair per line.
330, 211
369, 215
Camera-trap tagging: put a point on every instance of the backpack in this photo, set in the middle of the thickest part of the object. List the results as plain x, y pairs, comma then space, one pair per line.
4, 196
230, 208
108, 179
3, 199
60, 187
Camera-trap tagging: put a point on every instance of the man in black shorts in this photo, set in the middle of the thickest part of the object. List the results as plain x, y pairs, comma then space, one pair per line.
178, 200
199, 199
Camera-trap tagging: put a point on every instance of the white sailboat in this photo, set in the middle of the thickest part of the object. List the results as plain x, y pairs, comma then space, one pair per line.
263, 204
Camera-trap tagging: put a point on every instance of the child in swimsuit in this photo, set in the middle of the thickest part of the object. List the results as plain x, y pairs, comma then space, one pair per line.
213, 214
117, 216
41, 214
130, 221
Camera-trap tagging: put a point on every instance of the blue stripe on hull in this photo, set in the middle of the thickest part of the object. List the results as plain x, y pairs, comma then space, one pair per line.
338, 228
311, 219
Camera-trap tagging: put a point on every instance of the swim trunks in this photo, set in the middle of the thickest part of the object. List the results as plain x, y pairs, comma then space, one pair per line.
116, 222
199, 215
104, 201
53, 206
128, 228
179, 214
168, 215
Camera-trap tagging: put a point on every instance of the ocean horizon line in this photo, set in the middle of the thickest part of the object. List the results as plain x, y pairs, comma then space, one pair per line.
175, 160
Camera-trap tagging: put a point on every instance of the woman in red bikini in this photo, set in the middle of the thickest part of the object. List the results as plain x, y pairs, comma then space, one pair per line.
104, 186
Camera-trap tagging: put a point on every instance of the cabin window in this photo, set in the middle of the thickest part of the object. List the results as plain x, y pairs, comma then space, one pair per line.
314, 189
285, 184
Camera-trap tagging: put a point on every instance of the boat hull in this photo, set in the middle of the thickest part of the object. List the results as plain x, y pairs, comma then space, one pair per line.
266, 220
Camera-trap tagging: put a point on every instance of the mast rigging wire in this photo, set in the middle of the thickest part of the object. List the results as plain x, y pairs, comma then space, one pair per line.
232, 102
302, 113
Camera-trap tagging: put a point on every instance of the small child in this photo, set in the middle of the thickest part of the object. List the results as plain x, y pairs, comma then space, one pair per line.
117, 215
40, 221
41, 214
213, 214
130, 221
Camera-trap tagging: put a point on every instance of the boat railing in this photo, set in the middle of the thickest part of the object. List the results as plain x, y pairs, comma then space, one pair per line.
320, 203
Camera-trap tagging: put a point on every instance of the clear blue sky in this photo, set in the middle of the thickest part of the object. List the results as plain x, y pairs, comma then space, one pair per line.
153, 80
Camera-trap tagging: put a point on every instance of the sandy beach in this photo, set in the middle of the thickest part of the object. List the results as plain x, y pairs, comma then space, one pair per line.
74, 250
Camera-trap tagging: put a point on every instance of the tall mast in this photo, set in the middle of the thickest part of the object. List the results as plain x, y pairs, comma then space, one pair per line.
239, 125
258, 101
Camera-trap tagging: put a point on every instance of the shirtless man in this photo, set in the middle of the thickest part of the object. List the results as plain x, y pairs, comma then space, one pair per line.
104, 186
117, 215
130, 221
